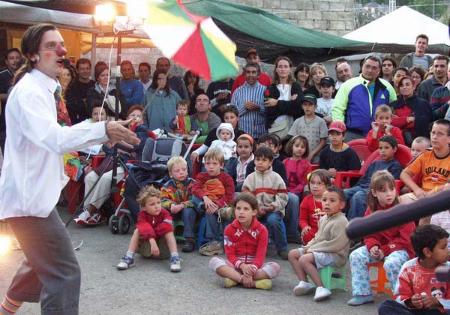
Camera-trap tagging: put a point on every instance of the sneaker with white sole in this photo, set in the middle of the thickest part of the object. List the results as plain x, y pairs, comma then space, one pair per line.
303, 288
321, 294
125, 263
83, 217
175, 263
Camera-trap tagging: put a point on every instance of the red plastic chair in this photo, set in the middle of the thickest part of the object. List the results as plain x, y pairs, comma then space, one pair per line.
361, 148
403, 155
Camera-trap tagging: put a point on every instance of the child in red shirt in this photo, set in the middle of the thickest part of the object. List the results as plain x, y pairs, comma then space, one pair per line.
418, 290
382, 126
154, 222
245, 242
311, 206
297, 165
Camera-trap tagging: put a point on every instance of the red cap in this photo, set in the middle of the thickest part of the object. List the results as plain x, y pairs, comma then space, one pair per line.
338, 126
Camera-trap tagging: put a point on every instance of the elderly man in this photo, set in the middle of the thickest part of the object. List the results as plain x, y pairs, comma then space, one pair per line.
358, 98
130, 88
176, 83
204, 118
249, 99
418, 58
343, 72
251, 57
13, 60
439, 78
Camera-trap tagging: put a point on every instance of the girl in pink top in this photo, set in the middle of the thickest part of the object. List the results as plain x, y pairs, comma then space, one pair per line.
297, 165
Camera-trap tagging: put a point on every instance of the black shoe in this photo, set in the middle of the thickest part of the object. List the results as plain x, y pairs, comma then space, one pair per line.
283, 254
188, 246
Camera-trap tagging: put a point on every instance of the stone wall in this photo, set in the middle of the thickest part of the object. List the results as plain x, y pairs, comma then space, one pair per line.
332, 16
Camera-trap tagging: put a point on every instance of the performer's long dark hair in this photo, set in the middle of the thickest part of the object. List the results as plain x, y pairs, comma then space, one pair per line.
31, 41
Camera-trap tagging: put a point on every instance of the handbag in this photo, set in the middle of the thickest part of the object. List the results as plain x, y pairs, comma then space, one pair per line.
281, 126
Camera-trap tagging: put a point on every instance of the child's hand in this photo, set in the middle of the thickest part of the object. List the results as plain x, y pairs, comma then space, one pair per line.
419, 193
388, 129
416, 301
210, 206
375, 252
247, 281
305, 230
248, 270
375, 127
176, 208
154, 249
429, 301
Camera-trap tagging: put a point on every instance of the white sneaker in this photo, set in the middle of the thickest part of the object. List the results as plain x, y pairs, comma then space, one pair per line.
96, 218
321, 294
83, 217
303, 288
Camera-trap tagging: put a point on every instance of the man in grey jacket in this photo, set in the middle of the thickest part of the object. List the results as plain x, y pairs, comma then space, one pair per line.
418, 58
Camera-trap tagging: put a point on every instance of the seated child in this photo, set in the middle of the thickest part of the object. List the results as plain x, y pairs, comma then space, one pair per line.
418, 290
297, 165
176, 197
357, 195
311, 206
224, 142
433, 166
212, 192
392, 246
325, 103
382, 126
338, 156
237, 166
182, 123
154, 222
312, 127
329, 247
245, 242
419, 145
269, 189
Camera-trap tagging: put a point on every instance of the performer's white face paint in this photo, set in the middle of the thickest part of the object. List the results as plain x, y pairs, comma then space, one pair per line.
51, 54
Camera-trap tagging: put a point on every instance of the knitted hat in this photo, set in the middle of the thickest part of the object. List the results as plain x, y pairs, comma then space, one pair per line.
226, 126
246, 137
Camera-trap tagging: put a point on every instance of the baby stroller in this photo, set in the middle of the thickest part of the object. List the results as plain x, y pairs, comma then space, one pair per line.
152, 170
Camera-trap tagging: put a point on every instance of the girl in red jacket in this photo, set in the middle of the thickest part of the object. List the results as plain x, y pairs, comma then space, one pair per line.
245, 243
311, 206
393, 246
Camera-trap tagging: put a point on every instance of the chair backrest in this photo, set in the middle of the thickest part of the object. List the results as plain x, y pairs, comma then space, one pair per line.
361, 148
162, 149
403, 155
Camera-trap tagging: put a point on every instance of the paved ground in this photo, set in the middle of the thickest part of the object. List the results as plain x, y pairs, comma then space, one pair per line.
150, 288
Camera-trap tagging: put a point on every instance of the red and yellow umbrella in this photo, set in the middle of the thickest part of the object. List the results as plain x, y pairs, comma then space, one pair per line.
194, 42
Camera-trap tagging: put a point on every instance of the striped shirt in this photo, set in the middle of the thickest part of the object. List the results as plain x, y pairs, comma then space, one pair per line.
251, 121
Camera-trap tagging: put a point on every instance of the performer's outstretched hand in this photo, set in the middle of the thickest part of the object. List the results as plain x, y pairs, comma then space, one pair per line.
116, 132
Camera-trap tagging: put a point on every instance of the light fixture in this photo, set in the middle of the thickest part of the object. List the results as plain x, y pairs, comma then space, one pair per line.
105, 13
5, 244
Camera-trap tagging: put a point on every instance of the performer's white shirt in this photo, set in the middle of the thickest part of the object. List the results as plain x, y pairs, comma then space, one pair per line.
33, 171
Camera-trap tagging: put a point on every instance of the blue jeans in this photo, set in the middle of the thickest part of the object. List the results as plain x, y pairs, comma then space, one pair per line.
189, 216
277, 230
291, 217
357, 201
390, 307
214, 229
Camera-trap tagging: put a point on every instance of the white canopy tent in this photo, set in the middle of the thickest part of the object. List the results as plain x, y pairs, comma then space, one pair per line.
401, 27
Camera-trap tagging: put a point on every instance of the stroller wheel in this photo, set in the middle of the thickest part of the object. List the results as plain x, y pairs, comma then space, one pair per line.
124, 224
114, 224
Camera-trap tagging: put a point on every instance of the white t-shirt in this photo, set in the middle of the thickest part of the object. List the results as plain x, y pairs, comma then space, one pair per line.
324, 106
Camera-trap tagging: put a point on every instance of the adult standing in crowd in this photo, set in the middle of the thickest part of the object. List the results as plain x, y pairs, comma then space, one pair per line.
252, 56
32, 174
204, 118
439, 78
13, 60
131, 89
249, 99
358, 98
301, 74
219, 93
398, 73
417, 75
418, 57
440, 99
343, 72
160, 102
317, 72
77, 95
192, 83
175, 82
145, 76
388, 64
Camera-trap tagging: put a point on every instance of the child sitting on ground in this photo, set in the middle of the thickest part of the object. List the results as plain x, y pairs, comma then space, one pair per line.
311, 206
419, 145
154, 222
212, 192
329, 247
269, 189
338, 156
297, 165
418, 290
312, 127
182, 123
382, 126
237, 166
357, 195
245, 242
325, 103
391, 246
176, 197
224, 142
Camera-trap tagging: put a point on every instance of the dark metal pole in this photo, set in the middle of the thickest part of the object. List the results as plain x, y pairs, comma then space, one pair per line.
116, 113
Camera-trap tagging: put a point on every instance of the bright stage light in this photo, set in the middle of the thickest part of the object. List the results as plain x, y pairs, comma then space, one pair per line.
105, 13
5, 245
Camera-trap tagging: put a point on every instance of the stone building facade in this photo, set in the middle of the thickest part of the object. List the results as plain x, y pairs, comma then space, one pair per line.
332, 16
